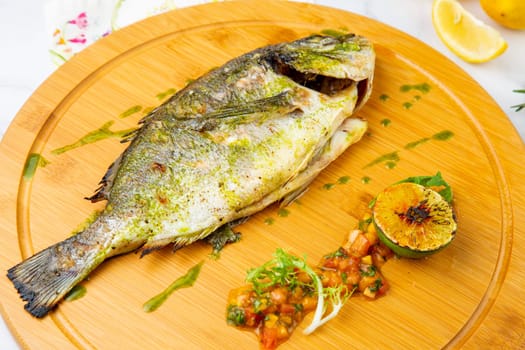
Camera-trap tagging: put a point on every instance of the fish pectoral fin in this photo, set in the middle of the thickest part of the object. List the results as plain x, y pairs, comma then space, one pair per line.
295, 194
280, 103
159, 241
154, 244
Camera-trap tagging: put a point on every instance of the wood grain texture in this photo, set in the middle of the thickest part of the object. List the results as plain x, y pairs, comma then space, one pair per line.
470, 295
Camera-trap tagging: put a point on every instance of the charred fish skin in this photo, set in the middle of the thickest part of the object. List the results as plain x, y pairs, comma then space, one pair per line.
250, 133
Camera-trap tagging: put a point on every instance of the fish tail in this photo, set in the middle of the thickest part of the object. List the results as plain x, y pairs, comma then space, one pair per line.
45, 278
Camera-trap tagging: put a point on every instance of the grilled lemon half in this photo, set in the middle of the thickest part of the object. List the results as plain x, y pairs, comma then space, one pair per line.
413, 220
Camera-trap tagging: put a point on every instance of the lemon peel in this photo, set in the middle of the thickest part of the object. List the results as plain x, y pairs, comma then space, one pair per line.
508, 13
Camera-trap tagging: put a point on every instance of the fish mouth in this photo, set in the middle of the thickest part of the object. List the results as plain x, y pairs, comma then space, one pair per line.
324, 84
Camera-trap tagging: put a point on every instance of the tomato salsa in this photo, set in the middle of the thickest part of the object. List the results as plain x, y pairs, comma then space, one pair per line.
282, 293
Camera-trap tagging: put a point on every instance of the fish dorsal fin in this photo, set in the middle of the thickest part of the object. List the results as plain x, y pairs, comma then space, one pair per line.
102, 192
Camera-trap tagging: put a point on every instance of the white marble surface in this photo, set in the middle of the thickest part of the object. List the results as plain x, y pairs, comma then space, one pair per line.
25, 62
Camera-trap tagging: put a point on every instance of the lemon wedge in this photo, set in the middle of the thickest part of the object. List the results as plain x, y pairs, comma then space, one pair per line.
465, 35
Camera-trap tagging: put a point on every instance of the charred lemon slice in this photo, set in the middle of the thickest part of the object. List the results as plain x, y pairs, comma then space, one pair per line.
413, 220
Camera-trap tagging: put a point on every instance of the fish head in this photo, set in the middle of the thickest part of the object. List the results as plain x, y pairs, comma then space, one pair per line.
329, 64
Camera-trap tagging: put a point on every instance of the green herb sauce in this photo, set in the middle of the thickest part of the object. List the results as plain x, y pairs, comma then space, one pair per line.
386, 122
86, 223
130, 111
390, 164
162, 95
343, 180
407, 105
392, 157
336, 33
182, 282
414, 144
366, 179
147, 110
269, 221
384, 97
77, 292
100, 134
34, 161
423, 88
444, 135
328, 186
283, 212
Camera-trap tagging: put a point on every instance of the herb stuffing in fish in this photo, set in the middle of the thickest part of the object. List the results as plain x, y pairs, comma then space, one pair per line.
255, 131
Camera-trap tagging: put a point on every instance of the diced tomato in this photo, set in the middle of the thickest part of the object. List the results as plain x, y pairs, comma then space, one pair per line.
282, 333
384, 287
279, 295
252, 319
275, 312
352, 278
269, 338
331, 278
360, 246
296, 296
309, 303
240, 296
330, 263
367, 281
377, 259
303, 277
271, 309
349, 264
287, 309
384, 250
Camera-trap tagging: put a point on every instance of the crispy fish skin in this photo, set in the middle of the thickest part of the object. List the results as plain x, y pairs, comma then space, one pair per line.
252, 132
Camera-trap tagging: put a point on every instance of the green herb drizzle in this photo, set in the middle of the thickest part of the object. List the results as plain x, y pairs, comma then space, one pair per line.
130, 111
75, 293
34, 161
97, 135
182, 282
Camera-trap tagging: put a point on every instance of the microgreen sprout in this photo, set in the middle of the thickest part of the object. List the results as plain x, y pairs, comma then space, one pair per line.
283, 270
337, 297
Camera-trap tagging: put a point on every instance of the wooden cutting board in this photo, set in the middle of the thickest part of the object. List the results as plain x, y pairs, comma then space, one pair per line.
425, 115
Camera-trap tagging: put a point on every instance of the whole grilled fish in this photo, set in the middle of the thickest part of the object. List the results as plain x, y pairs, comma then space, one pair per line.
252, 132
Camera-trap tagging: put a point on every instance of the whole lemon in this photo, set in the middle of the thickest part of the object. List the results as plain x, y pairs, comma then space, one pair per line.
508, 13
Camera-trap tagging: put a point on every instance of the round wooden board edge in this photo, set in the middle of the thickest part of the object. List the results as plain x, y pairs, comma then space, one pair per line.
509, 146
